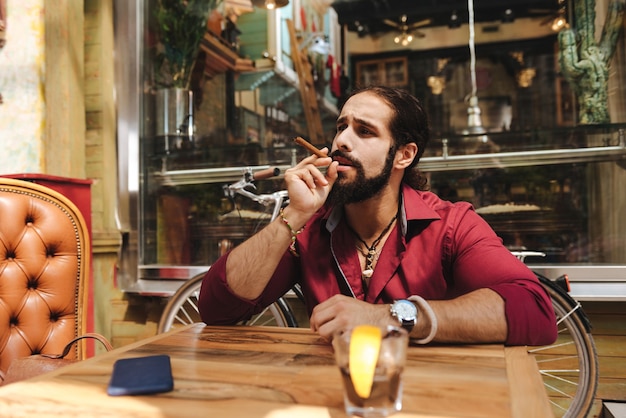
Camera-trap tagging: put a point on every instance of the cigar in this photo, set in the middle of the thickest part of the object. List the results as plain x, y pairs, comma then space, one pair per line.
303, 142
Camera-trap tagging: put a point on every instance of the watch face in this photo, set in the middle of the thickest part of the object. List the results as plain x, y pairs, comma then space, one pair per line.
405, 310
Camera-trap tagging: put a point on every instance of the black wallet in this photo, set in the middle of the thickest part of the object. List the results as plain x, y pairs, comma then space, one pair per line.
141, 375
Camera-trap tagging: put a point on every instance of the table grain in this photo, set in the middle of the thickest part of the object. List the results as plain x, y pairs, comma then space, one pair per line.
277, 372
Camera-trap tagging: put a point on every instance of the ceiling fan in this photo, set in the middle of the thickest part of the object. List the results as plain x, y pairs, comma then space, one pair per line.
407, 31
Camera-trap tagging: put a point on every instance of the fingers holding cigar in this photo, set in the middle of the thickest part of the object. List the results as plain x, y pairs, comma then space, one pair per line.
331, 170
308, 146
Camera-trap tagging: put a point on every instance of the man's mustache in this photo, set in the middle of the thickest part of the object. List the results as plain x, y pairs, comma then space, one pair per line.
342, 155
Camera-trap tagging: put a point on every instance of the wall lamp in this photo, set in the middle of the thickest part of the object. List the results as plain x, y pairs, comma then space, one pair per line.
508, 16
558, 23
270, 4
455, 21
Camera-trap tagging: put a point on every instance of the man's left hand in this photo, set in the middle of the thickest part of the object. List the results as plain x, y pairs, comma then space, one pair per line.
342, 312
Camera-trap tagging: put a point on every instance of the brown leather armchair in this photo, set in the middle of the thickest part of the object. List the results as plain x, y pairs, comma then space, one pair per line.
44, 268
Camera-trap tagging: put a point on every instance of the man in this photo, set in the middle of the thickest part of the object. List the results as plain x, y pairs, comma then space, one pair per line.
361, 238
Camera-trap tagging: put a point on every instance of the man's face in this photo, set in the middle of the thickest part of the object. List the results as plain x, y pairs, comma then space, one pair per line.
363, 146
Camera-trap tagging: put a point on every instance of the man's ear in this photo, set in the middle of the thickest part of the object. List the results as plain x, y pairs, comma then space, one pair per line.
405, 155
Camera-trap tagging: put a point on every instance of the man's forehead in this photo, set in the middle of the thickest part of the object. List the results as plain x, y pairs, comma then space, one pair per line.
366, 107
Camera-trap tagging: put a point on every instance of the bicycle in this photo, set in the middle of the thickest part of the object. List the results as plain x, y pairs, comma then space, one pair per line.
569, 367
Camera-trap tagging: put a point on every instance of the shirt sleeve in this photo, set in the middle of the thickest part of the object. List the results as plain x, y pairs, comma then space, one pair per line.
482, 261
529, 313
219, 305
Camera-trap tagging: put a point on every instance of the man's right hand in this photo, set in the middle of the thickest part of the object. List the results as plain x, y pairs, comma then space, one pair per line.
308, 187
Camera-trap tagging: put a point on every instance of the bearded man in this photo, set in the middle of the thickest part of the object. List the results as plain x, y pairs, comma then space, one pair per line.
369, 245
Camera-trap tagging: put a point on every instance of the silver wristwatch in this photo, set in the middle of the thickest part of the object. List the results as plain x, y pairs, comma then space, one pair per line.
404, 311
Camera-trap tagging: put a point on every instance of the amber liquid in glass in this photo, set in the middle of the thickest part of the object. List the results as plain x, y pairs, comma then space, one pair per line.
384, 398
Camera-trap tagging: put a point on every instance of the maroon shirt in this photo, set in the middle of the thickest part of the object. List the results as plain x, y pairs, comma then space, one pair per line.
437, 250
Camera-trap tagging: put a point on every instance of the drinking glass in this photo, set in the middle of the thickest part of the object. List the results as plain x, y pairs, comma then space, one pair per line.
386, 394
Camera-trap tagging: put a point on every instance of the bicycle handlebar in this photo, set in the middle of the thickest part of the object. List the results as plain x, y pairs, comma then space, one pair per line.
276, 199
266, 174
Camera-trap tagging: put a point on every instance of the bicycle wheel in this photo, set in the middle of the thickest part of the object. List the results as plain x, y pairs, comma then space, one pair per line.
182, 309
277, 314
569, 367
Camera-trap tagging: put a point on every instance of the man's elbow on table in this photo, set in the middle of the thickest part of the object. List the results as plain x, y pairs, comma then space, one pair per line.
530, 319
217, 304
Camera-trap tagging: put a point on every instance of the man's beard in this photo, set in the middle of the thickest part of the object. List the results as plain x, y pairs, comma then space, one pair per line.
361, 188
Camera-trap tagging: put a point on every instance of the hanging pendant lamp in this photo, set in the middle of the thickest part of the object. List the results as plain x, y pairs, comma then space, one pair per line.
270, 4
474, 118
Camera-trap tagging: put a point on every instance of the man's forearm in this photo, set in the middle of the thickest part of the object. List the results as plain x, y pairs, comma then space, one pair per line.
476, 317
250, 266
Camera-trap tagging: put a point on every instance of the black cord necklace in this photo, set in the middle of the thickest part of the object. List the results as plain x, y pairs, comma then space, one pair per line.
371, 249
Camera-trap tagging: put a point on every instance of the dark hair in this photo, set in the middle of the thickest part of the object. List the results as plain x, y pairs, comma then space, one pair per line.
409, 123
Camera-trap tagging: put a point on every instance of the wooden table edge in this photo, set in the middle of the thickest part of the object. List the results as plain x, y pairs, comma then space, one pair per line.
525, 383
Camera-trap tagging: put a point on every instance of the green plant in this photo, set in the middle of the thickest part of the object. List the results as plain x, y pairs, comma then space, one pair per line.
180, 26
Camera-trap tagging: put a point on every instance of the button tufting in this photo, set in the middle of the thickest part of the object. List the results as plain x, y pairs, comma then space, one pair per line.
41, 268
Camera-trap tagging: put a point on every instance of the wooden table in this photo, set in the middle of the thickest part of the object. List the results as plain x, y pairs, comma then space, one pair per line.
282, 372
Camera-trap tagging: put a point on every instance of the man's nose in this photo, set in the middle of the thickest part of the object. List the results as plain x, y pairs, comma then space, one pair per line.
342, 140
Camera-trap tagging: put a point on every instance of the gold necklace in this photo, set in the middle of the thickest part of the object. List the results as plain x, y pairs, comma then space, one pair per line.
372, 250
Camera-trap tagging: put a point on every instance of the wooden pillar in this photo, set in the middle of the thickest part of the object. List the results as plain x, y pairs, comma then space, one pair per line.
64, 89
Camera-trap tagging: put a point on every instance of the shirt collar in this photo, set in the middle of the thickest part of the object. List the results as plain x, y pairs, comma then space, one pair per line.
413, 207
333, 218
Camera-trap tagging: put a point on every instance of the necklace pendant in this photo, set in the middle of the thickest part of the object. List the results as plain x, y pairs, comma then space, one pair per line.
367, 273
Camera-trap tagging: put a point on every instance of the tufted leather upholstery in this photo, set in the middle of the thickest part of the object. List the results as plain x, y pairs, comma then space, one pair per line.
44, 262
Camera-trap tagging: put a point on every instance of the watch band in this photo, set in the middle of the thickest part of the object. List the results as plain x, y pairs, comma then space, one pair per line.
408, 324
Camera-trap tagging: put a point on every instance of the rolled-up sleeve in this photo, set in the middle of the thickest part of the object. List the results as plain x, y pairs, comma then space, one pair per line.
529, 313
217, 304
